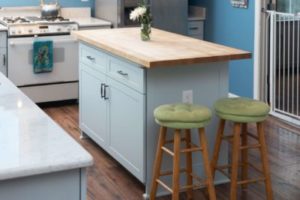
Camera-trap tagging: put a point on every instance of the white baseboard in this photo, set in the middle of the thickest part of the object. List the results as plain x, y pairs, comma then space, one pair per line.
231, 95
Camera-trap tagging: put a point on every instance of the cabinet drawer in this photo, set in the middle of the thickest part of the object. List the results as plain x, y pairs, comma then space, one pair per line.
3, 39
127, 73
94, 58
195, 28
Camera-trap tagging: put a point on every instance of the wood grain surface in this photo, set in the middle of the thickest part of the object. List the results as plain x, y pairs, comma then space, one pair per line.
108, 180
164, 48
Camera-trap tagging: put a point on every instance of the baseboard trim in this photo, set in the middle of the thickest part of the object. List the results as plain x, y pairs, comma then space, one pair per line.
231, 95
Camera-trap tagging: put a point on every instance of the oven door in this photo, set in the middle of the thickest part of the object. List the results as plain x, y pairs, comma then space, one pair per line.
20, 61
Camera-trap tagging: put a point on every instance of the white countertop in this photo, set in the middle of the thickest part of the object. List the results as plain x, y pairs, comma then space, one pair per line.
2, 28
91, 22
31, 143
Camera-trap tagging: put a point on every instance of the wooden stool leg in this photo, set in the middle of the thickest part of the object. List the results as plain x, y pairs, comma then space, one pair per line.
245, 159
235, 161
157, 162
189, 164
217, 147
206, 163
176, 165
265, 163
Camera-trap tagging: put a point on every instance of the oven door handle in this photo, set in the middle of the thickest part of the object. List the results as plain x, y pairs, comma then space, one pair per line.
14, 43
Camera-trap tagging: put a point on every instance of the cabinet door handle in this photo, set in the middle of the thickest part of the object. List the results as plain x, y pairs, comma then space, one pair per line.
105, 92
90, 58
102, 90
122, 73
4, 60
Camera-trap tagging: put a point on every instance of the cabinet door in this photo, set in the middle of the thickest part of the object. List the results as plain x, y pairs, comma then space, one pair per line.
3, 60
93, 108
126, 124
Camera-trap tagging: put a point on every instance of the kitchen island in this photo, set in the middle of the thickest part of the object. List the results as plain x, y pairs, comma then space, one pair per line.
38, 159
123, 79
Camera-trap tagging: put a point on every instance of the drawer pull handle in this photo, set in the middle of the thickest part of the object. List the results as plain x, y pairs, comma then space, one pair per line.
90, 58
122, 73
194, 28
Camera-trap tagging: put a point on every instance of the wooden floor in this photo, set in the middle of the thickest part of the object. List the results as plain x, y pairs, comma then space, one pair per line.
108, 180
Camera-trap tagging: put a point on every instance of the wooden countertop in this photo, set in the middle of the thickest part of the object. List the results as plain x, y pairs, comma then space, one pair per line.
164, 48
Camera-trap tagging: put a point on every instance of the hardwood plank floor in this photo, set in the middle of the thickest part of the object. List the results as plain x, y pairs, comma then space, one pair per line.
108, 180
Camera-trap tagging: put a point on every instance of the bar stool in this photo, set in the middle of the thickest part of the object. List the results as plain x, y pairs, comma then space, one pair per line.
242, 111
182, 117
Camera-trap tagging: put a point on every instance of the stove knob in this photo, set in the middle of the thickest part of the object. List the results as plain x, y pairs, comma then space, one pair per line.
30, 30
13, 32
58, 29
19, 31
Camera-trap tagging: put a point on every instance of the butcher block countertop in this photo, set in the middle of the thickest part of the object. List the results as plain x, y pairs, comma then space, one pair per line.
164, 48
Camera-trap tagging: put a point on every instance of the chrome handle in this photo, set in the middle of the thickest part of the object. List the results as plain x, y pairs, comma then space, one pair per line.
194, 28
122, 73
90, 58
102, 90
105, 93
4, 60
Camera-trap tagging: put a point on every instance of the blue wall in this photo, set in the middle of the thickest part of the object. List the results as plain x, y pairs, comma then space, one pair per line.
233, 27
64, 3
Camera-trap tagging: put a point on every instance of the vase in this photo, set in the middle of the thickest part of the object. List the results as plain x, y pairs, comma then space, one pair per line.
145, 32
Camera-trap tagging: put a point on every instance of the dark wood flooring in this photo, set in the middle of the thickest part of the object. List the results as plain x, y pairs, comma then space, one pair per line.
108, 180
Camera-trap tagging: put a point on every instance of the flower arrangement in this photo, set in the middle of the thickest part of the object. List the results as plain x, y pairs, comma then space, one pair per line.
143, 16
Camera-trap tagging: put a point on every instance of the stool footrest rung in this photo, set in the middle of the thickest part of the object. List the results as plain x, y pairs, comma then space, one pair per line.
198, 179
172, 141
183, 188
251, 180
168, 151
223, 172
193, 149
250, 146
256, 168
252, 135
164, 185
170, 172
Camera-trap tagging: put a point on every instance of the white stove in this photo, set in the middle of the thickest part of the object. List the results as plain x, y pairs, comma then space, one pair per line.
35, 26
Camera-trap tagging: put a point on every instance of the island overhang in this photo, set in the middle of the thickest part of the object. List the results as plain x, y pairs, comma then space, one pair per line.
164, 48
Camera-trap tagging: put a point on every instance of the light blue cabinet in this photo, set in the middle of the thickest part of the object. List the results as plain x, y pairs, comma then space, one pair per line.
93, 108
112, 107
126, 124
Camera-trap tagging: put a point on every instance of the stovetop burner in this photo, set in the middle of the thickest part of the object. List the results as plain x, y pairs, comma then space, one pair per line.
32, 20
15, 20
34, 26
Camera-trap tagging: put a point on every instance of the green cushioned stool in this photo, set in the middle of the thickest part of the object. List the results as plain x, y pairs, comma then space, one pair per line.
182, 118
242, 111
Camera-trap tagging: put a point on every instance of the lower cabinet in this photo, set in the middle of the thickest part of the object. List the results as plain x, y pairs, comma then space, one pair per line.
126, 125
93, 108
112, 114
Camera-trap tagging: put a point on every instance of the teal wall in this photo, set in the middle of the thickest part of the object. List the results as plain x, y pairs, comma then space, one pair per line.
233, 27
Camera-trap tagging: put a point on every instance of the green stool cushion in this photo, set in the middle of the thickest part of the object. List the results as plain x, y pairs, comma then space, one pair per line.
242, 110
182, 116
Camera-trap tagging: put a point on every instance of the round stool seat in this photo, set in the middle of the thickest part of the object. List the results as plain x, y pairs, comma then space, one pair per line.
242, 110
182, 116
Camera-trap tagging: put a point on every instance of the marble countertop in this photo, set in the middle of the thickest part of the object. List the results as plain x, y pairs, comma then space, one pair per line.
32, 143
90, 22
2, 28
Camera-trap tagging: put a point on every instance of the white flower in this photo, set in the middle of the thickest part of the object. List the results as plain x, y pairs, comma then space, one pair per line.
137, 13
